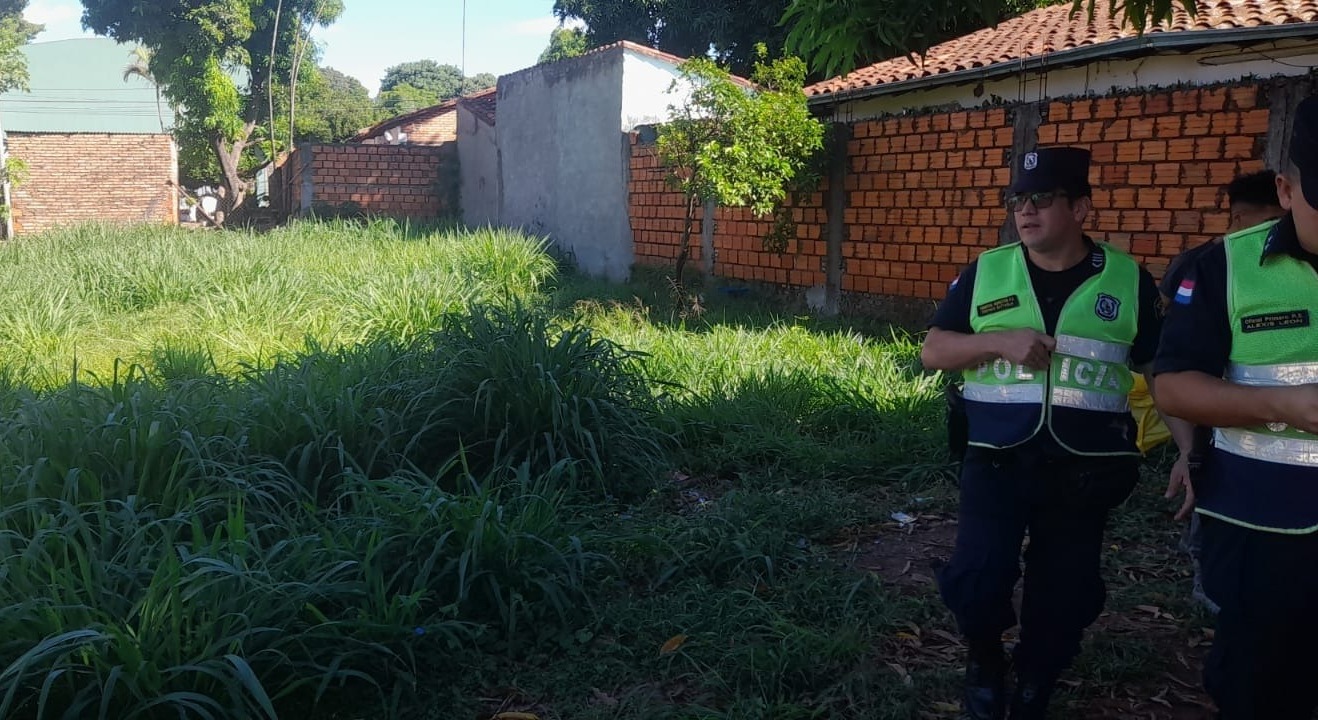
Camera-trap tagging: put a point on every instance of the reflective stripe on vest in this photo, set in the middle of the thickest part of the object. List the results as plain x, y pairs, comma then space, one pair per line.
1278, 445
1267, 447
1266, 477
1004, 394
1264, 375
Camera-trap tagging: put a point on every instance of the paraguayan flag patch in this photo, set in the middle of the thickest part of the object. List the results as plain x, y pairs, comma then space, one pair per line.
1185, 292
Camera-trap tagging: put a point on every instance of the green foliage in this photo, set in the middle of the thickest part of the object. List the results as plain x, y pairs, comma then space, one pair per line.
214, 59
422, 83
564, 42
15, 32
442, 81
836, 37
331, 107
405, 98
91, 294
737, 146
730, 29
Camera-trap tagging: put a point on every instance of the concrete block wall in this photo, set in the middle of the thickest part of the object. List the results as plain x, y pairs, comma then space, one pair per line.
82, 177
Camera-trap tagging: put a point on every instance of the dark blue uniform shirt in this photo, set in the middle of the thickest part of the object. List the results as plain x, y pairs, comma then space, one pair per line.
1197, 334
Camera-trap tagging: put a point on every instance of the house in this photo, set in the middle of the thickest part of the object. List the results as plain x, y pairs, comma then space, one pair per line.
96, 142
557, 162
434, 125
925, 147
406, 166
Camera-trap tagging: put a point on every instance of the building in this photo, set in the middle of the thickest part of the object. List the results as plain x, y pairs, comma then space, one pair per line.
95, 141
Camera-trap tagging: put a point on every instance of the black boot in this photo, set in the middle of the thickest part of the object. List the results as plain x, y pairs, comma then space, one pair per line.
986, 674
1030, 700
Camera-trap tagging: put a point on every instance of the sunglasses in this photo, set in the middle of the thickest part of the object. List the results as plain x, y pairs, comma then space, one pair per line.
1041, 200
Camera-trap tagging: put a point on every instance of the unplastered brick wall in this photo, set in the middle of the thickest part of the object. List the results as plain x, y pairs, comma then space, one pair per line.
81, 177
1161, 161
923, 193
658, 214
923, 199
396, 180
431, 130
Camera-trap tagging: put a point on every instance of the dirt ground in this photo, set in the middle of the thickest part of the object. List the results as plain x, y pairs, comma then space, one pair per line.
904, 555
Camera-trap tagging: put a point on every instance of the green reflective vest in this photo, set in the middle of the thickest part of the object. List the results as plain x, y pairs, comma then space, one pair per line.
1089, 382
1266, 477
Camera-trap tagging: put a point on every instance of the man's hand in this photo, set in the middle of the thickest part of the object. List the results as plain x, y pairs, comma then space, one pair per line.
1180, 478
1030, 348
1298, 407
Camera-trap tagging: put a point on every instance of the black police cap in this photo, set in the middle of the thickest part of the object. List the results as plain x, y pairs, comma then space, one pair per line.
1052, 168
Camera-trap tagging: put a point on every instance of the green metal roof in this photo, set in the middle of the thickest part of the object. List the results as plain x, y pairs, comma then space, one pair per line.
79, 86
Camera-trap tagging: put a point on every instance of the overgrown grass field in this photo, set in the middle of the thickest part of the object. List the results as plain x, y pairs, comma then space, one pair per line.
362, 471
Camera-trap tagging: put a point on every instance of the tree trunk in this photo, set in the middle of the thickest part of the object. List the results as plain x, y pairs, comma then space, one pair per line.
230, 155
684, 252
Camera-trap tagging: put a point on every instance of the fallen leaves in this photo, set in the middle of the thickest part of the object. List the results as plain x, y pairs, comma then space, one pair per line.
672, 645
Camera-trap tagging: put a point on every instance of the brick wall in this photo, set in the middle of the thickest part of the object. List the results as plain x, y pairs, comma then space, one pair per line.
396, 180
656, 212
1161, 161
923, 193
657, 218
82, 177
426, 130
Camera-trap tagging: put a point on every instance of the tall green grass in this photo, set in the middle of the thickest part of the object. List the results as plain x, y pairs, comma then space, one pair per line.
94, 294
228, 546
349, 470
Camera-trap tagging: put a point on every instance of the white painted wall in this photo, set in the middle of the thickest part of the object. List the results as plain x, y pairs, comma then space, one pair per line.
646, 95
1204, 67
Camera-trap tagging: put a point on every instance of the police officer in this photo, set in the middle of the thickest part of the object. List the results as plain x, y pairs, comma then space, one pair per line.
1046, 331
1240, 354
1252, 200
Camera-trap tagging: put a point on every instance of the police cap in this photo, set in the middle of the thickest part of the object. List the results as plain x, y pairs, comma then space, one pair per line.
1052, 168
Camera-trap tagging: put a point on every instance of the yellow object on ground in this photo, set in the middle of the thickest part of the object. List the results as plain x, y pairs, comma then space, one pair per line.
1151, 430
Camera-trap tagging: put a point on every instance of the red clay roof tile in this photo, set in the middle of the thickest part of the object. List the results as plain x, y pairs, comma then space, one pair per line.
1051, 29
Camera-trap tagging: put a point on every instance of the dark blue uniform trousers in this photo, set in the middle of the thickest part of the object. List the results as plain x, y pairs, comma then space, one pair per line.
1063, 502
1264, 661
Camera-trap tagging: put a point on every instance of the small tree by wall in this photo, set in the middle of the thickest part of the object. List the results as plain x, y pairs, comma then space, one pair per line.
737, 146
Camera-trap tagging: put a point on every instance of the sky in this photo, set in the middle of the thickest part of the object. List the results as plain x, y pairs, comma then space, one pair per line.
501, 35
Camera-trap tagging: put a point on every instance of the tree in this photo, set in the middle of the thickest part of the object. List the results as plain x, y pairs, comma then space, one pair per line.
404, 99
689, 28
440, 81
564, 43
140, 66
736, 146
478, 82
332, 106
836, 36
199, 47
15, 32
422, 83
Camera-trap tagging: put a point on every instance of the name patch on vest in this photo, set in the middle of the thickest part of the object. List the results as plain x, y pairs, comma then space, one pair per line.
996, 306
1275, 321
